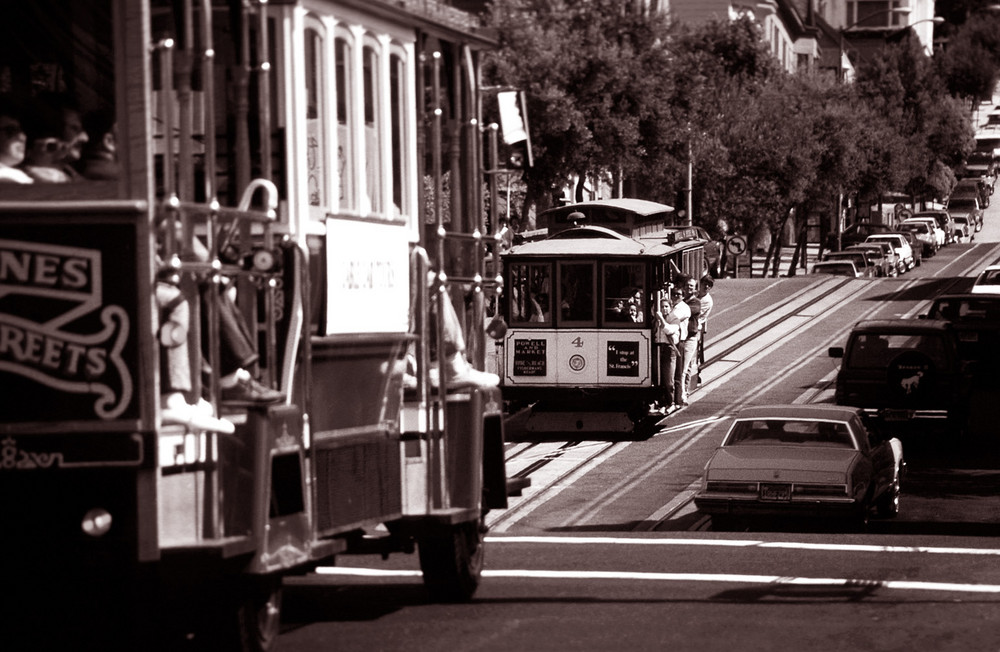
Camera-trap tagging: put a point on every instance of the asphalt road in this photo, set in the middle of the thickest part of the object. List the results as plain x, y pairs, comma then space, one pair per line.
605, 551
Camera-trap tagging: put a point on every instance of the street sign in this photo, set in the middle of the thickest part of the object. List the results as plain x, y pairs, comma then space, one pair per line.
736, 245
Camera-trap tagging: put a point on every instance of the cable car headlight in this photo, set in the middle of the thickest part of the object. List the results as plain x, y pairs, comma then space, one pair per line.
96, 522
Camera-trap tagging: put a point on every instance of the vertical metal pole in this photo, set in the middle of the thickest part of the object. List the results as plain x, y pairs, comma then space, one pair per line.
166, 51
690, 186
440, 287
185, 161
208, 92
264, 92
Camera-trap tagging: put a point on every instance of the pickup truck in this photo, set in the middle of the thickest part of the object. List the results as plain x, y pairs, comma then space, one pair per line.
975, 319
906, 371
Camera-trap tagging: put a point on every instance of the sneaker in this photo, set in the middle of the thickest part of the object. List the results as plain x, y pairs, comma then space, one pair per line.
248, 391
179, 412
461, 374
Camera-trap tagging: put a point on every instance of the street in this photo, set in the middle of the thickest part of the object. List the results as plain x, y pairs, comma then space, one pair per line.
605, 550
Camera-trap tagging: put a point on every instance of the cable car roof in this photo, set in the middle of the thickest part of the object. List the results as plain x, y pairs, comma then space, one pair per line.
600, 241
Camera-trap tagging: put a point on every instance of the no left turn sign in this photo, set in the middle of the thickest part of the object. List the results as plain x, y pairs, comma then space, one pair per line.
736, 245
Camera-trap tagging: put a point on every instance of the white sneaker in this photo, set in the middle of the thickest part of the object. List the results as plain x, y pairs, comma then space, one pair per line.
461, 374
177, 411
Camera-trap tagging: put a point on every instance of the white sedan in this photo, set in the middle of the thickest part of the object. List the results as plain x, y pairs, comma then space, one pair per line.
932, 226
988, 281
899, 244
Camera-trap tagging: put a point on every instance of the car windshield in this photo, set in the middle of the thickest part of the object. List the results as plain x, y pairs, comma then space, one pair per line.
989, 277
790, 432
964, 309
878, 350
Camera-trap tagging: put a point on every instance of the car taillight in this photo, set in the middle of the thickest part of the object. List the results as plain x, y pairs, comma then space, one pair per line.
732, 487
819, 490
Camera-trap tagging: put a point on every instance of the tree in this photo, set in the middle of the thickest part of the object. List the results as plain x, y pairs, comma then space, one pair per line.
594, 74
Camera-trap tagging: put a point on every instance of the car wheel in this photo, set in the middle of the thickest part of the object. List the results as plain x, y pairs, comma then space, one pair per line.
859, 520
888, 503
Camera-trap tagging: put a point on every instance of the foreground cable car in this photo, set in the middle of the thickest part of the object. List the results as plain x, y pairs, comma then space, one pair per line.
216, 346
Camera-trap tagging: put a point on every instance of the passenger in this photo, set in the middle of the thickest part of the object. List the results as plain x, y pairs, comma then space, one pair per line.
455, 363
237, 354
707, 302
458, 371
633, 314
44, 153
12, 144
689, 345
175, 364
672, 323
100, 155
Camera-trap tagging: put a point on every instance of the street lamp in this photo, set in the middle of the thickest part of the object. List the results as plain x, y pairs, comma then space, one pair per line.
902, 11
899, 34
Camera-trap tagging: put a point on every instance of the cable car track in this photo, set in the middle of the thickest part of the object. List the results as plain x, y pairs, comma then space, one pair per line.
730, 351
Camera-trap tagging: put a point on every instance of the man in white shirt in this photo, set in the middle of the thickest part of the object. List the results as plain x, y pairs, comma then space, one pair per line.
672, 324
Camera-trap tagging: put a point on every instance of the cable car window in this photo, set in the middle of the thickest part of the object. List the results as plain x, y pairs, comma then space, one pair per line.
576, 293
345, 121
624, 293
531, 293
398, 108
373, 128
316, 113
58, 127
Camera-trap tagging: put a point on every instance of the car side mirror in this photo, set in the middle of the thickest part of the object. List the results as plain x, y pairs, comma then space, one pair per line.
835, 352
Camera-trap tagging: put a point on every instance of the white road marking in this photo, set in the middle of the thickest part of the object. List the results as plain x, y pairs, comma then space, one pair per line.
901, 585
745, 543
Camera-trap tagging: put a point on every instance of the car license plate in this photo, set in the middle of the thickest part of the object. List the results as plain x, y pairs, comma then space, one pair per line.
968, 336
897, 415
776, 492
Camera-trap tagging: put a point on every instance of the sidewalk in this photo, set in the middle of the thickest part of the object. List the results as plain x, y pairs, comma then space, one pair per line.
758, 259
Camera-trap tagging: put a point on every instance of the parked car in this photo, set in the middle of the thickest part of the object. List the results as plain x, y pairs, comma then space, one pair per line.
943, 218
880, 256
836, 268
908, 371
802, 460
967, 199
856, 233
916, 246
963, 229
988, 281
927, 231
860, 259
904, 253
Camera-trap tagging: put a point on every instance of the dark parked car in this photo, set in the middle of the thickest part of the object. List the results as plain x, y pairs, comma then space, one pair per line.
802, 460
907, 371
861, 261
836, 268
882, 256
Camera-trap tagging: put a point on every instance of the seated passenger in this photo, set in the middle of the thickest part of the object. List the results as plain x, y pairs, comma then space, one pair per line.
12, 144
55, 139
100, 159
